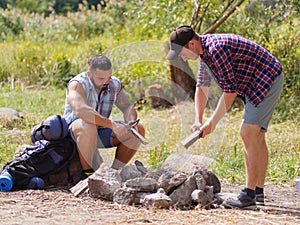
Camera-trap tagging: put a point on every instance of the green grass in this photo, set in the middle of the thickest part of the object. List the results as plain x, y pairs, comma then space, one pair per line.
164, 129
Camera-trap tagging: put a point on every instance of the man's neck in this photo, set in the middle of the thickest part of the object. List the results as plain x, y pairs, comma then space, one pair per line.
200, 46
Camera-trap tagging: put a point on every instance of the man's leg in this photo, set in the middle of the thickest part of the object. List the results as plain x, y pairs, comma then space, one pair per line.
256, 155
127, 149
256, 162
85, 135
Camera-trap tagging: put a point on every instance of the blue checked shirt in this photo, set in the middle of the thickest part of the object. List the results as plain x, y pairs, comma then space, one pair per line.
103, 103
237, 65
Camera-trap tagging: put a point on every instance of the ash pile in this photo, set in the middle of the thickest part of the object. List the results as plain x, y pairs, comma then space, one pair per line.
164, 188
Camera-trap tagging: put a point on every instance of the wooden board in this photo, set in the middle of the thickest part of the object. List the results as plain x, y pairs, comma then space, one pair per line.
191, 139
80, 187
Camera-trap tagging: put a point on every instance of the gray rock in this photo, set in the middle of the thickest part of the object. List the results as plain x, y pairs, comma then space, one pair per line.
142, 184
158, 200
181, 197
140, 196
129, 172
200, 182
204, 197
221, 197
124, 196
156, 174
10, 114
187, 162
140, 166
104, 182
164, 180
209, 190
200, 197
175, 181
210, 178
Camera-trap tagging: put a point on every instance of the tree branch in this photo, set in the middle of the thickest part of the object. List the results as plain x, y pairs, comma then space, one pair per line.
223, 18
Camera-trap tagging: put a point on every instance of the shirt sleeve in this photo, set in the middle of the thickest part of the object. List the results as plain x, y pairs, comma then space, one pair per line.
222, 61
203, 76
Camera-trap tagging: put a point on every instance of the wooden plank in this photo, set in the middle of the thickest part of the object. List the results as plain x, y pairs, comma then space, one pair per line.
191, 139
80, 187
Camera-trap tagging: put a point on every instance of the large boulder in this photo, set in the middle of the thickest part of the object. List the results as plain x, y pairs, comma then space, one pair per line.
104, 182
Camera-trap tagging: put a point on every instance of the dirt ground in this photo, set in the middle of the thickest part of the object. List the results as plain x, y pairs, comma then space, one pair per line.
59, 206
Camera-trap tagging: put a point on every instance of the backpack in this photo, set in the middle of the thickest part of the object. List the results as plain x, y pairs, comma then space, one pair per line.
40, 160
55, 127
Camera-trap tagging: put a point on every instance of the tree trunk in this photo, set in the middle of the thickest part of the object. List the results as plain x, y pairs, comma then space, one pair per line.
183, 82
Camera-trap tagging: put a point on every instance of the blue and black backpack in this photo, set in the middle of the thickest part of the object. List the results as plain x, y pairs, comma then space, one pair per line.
52, 151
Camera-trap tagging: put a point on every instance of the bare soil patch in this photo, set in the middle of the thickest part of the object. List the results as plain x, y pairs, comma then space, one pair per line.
59, 206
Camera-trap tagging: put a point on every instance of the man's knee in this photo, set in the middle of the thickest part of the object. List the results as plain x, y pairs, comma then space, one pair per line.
82, 128
251, 133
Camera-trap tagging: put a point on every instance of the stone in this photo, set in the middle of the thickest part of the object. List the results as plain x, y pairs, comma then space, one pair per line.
155, 96
200, 197
156, 174
140, 196
204, 197
142, 184
187, 162
209, 190
176, 180
221, 197
200, 182
181, 197
125, 196
158, 200
10, 114
129, 172
104, 182
210, 178
164, 180
140, 166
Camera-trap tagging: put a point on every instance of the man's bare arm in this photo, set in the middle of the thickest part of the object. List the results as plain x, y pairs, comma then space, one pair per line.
224, 104
77, 100
126, 107
200, 103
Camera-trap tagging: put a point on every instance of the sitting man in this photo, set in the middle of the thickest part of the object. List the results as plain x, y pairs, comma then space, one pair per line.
90, 98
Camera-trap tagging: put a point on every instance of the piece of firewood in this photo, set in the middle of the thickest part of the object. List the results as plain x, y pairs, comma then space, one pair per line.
80, 187
191, 139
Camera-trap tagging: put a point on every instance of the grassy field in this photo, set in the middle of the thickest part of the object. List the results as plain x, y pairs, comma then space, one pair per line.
165, 128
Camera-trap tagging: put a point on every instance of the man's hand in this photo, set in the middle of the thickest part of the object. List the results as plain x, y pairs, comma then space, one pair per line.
195, 126
207, 128
121, 132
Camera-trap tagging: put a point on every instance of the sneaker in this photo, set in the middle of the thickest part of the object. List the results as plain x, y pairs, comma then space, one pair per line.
260, 199
243, 201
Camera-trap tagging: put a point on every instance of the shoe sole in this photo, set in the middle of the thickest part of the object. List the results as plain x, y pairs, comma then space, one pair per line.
260, 203
250, 207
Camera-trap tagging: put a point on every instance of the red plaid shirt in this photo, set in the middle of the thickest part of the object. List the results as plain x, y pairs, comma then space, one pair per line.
237, 65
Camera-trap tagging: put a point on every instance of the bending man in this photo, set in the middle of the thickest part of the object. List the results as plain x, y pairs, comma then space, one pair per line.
244, 69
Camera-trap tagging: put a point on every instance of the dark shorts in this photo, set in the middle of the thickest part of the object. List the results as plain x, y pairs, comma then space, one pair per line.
262, 114
105, 137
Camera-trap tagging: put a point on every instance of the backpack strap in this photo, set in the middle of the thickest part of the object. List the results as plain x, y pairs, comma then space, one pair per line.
40, 128
61, 126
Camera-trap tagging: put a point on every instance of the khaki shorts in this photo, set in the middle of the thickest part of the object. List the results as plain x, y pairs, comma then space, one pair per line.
262, 113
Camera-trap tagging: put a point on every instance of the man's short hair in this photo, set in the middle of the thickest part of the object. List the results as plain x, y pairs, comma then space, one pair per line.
100, 62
